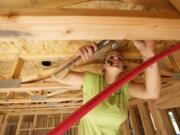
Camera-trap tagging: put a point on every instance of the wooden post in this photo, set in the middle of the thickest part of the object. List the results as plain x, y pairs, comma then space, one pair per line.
126, 128
34, 125
146, 119
15, 74
167, 122
2, 132
35, 121
135, 119
19, 125
1, 121
154, 113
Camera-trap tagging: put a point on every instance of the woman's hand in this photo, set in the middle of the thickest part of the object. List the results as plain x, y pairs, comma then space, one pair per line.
86, 52
145, 47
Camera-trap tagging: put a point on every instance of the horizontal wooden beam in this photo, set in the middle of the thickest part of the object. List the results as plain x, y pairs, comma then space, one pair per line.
4, 124
35, 111
38, 112
40, 87
88, 24
63, 109
17, 101
171, 103
39, 106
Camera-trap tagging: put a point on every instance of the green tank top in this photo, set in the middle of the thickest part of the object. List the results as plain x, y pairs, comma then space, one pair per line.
107, 117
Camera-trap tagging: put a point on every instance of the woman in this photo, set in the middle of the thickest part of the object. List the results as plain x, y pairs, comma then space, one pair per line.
108, 116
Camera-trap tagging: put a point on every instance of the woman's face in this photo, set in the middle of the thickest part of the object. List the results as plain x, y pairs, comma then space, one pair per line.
114, 62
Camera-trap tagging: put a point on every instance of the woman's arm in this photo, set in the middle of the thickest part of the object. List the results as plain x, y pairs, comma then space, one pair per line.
151, 89
75, 78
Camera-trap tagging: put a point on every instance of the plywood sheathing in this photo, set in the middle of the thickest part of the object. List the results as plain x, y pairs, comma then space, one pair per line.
34, 52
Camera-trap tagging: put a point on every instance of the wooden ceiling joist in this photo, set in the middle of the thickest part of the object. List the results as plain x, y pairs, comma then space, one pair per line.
65, 110
15, 74
17, 69
39, 87
88, 24
14, 106
62, 99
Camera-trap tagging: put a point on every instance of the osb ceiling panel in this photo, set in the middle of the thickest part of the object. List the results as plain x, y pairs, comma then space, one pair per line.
34, 52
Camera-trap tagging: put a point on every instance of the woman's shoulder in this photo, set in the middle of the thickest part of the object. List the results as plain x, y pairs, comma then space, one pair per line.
91, 74
91, 79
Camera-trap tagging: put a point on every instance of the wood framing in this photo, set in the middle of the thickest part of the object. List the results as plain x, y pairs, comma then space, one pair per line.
40, 87
32, 102
34, 123
17, 69
1, 121
163, 114
157, 122
89, 24
160, 117
4, 125
15, 74
13, 101
19, 125
41, 96
146, 119
170, 96
135, 120
159, 110
126, 128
